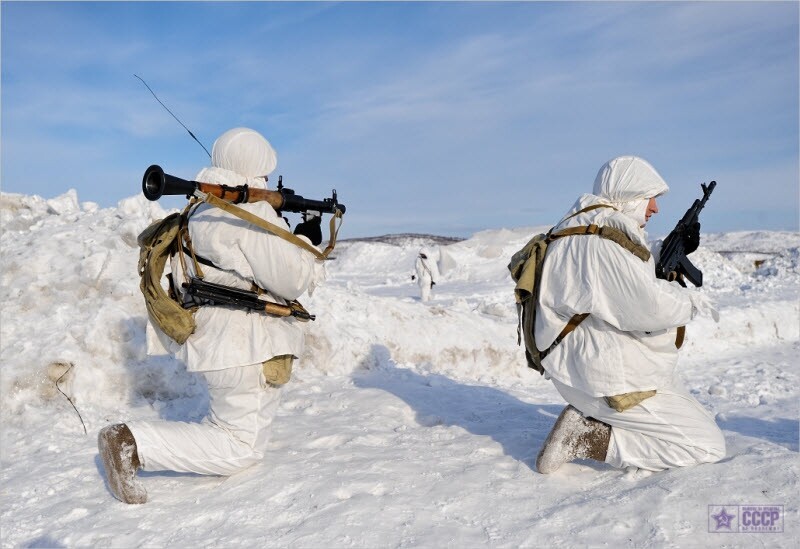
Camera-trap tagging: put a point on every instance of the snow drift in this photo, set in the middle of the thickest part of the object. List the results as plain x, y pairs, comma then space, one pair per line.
424, 414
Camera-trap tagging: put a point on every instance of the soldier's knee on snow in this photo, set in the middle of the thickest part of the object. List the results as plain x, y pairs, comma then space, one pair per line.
713, 448
717, 450
249, 459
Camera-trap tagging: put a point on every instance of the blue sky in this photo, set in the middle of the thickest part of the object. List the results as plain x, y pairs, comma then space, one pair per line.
444, 118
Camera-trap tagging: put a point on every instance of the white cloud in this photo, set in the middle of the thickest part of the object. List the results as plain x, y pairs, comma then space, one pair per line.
522, 97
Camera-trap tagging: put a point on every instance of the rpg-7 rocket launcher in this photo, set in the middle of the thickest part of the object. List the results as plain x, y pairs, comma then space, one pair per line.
156, 184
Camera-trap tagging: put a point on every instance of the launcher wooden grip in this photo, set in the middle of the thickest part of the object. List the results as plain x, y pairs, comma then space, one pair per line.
233, 194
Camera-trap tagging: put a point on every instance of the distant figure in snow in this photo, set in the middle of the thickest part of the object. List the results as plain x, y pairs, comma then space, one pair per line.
616, 369
426, 273
245, 357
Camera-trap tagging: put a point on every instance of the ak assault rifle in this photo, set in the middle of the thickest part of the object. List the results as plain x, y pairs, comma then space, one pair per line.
673, 263
218, 294
156, 183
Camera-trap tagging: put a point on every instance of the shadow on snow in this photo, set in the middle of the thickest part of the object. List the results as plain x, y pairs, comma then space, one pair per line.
780, 431
519, 427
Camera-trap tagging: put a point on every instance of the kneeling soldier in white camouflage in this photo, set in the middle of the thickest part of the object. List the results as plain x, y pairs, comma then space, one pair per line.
616, 367
244, 356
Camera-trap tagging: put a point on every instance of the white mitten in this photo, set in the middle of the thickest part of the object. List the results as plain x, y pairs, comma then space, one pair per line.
702, 304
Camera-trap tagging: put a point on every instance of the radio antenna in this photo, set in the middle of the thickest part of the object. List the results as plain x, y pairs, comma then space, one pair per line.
173, 116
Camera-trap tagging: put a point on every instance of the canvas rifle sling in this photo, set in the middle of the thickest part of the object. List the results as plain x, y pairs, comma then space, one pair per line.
188, 249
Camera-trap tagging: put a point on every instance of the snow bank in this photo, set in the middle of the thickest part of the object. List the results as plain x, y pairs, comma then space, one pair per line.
70, 297
423, 413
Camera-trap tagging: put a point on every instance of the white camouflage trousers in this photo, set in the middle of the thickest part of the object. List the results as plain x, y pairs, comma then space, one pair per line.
425, 288
670, 429
233, 436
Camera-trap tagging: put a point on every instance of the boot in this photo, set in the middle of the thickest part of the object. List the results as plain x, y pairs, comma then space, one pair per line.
121, 461
573, 437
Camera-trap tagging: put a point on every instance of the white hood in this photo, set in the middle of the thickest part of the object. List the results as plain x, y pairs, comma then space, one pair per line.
628, 178
628, 182
245, 152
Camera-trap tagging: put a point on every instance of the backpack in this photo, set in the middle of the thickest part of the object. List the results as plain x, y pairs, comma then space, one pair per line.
166, 237
157, 243
526, 270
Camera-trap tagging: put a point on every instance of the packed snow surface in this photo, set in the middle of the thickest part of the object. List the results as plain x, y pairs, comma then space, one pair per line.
405, 424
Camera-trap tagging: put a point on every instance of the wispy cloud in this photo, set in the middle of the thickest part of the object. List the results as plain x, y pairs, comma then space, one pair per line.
412, 107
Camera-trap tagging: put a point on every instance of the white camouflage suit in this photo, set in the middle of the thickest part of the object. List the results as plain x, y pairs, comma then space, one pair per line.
628, 341
427, 272
230, 345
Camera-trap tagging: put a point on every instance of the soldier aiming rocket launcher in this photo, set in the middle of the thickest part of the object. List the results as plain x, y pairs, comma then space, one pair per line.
682, 241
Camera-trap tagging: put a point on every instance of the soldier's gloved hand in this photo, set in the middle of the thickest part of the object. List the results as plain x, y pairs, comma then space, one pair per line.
311, 229
692, 238
702, 304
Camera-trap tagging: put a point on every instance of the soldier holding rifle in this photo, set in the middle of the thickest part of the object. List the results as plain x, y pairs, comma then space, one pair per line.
612, 330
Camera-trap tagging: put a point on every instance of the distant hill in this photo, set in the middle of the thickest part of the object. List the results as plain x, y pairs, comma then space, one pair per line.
402, 239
